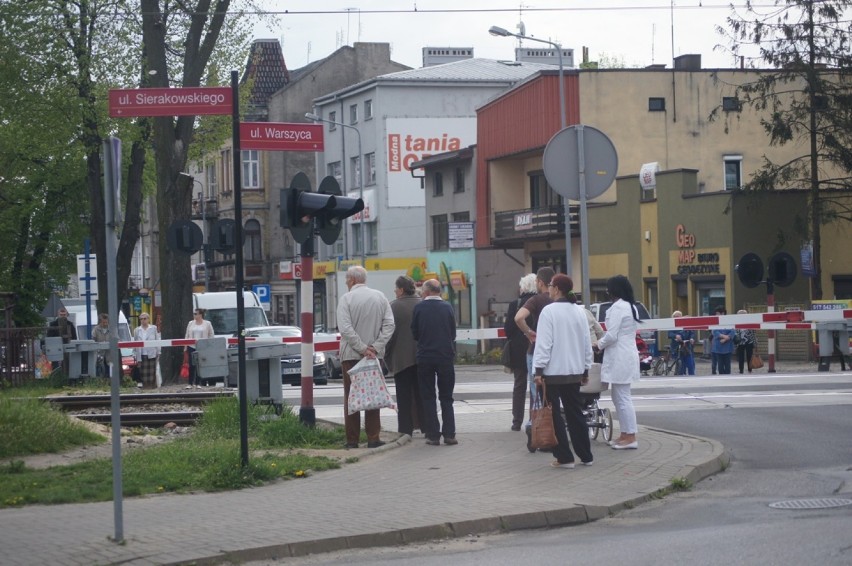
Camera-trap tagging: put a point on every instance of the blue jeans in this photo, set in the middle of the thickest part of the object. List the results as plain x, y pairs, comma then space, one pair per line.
688, 365
444, 373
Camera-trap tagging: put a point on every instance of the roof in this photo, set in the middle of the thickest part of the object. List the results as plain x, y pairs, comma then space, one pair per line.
266, 66
485, 71
463, 154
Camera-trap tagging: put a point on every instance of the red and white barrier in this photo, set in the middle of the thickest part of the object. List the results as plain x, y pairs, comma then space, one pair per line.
787, 320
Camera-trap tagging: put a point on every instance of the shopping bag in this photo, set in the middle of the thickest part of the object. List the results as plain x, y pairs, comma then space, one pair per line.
543, 437
367, 388
756, 361
184, 369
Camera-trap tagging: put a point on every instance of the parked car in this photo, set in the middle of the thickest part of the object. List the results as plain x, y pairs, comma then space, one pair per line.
335, 371
291, 366
649, 336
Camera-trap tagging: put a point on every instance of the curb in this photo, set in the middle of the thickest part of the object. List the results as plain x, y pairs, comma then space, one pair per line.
554, 518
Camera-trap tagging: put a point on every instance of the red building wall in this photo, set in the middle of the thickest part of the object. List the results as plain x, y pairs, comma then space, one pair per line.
520, 121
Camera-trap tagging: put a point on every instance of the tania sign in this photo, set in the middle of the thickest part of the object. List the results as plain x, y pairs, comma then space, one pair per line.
195, 101
280, 136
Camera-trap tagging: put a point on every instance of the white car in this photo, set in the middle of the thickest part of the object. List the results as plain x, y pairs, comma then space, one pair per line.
291, 366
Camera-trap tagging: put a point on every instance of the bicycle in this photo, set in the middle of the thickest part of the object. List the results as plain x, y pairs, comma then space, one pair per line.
668, 362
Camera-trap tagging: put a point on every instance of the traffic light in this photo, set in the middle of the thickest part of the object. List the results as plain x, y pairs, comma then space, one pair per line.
299, 206
750, 270
223, 235
185, 237
782, 269
330, 220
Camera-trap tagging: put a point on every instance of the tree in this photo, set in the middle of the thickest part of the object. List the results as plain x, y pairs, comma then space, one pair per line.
179, 43
806, 99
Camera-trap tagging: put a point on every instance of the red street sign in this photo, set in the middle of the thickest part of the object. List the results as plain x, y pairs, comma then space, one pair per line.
279, 136
195, 101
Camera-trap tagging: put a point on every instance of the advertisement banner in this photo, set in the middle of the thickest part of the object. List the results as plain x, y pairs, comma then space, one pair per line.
413, 139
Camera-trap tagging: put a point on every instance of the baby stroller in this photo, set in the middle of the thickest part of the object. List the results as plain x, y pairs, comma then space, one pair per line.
598, 419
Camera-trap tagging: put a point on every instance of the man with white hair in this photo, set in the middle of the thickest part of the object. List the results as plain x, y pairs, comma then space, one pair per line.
365, 322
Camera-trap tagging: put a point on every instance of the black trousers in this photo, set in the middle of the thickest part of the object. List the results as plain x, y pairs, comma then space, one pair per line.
569, 396
744, 352
408, 400
444, 374
519, 395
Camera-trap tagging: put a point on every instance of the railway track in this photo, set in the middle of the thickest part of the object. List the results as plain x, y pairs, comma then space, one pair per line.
140, 409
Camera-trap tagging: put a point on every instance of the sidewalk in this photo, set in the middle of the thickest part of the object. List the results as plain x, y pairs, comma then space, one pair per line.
408, 492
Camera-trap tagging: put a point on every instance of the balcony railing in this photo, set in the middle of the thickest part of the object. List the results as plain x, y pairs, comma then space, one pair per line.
210, 208
515, 226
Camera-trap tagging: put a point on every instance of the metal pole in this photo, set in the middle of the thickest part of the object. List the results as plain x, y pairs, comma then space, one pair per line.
238, 237
307, 412
361, 195
110, 226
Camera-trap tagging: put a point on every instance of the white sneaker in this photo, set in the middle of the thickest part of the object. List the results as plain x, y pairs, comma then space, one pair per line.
188, 387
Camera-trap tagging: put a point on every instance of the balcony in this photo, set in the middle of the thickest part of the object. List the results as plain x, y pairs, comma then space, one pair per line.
207, 208
513, 227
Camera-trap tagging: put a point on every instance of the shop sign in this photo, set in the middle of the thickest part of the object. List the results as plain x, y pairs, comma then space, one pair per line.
691, 261
523, 221
458, 281
460, 234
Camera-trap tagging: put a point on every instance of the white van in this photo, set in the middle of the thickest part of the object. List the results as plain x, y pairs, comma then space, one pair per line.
221, 311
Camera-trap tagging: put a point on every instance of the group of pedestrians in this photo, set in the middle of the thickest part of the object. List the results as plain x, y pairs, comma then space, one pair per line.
416, 336
552, 344
724, 343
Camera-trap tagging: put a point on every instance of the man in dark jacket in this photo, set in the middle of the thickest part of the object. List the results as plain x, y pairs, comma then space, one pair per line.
434, 327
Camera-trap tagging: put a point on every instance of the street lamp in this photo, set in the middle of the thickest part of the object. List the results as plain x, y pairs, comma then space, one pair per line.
317, 118
500, 32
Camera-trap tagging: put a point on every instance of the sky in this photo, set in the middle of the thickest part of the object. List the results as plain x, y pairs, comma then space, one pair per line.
634, 32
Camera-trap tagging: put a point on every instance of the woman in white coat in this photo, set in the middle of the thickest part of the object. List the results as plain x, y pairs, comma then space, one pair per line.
620, 366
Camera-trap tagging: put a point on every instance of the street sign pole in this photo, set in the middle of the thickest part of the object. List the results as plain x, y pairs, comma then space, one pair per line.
239, 275
307, 411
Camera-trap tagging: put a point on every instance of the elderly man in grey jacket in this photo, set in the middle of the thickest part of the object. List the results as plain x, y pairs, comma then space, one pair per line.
365, 322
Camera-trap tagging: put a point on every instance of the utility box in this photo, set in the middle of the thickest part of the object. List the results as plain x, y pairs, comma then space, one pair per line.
82, 357
263, 371
212, 357
833, 339
54, 349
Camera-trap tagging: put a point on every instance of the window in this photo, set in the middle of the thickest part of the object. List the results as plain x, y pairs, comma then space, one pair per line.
251, 248
541, 195
356, 172
371, 168
458, 186
731, 104
332, 117
335, 169
461, 216
212, 185
438, 185
368, 109
733, 172
440, 232
251, 169
353, 114
656, 104
371, 235
226, 172
842, 287
462, 306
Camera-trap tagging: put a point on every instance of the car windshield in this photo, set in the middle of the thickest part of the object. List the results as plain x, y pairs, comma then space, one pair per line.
224, 321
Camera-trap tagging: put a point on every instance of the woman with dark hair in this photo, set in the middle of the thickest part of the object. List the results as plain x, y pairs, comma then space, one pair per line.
400, 355
620, 367
562, 358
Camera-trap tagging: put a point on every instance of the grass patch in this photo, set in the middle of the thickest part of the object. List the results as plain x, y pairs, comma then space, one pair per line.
30, 426
206, 460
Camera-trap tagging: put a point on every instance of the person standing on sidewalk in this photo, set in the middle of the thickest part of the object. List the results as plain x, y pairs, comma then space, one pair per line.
401, 356
518, 345
527, 317
682, 341
723, 349
745, 341
101, 334
146, 357
365, 322
563, 356
434, 328
199, 329
620, 366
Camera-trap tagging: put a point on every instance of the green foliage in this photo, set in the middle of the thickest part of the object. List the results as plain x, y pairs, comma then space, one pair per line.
30, 426
207, 460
